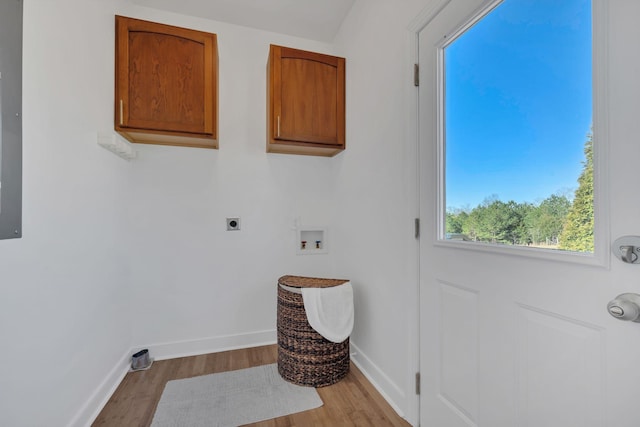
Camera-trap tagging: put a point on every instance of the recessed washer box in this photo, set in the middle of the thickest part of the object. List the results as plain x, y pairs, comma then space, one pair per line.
312, 240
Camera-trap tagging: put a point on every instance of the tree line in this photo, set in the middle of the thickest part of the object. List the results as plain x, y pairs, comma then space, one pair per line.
557, 221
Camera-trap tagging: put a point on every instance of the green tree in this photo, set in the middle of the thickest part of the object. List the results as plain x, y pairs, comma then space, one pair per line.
521, 232
532, 223
472, 227
507, 221
455, 221
577, 234
545, 222
494, 221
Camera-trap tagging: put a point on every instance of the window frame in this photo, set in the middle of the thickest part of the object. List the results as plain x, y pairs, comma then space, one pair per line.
601, 254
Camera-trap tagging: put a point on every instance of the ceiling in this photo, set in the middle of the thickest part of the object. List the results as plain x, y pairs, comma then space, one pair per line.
311, 19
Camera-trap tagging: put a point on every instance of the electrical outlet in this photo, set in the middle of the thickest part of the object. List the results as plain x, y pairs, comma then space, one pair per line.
233, 224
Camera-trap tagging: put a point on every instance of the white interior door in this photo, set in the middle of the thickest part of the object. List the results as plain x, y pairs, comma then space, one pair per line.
523, 338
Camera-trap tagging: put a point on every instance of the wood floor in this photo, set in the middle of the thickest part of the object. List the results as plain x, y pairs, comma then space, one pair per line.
351, 402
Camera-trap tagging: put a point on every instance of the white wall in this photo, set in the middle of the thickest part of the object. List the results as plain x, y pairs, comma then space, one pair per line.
191, 279
376, 246
64, 314
118, 255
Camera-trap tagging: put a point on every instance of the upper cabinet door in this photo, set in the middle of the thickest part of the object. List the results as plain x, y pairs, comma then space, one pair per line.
306, 111
166, 84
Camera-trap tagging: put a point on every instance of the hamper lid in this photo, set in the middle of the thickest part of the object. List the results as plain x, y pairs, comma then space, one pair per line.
309, 282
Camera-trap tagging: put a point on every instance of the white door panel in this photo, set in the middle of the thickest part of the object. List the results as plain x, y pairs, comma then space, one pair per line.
526, 341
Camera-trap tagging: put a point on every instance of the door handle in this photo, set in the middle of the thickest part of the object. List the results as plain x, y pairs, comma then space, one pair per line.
627, 254
625, 307
627, 249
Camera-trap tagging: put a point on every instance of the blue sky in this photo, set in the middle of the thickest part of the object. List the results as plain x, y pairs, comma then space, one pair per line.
518, 102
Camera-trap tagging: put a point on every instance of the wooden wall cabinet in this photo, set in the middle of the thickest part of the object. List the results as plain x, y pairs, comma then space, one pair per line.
166, 84
305, 102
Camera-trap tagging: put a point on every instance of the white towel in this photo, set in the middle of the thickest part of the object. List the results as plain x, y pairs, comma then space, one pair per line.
330, 311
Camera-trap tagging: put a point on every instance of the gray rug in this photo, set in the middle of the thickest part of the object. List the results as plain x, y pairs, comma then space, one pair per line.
231, 399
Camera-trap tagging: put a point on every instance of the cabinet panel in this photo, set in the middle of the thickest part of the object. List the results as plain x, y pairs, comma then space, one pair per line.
306, 98
164, 91
166, 84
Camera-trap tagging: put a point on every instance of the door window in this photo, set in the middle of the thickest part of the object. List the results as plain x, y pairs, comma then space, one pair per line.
517, 127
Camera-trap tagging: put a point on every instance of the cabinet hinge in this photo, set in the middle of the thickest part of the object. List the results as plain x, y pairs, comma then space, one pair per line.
417, 228
416, 75
417, 382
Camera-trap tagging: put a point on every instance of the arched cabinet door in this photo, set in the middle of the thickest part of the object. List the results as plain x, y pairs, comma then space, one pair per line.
166, 84
306, 102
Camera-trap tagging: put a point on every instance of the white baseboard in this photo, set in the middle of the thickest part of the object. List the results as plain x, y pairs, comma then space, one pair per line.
172, 350
385, 386
92, 407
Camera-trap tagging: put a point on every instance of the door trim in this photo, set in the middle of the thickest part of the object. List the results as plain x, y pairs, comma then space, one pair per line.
413, 100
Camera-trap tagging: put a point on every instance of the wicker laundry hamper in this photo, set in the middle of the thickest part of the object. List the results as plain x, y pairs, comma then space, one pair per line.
304, 356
